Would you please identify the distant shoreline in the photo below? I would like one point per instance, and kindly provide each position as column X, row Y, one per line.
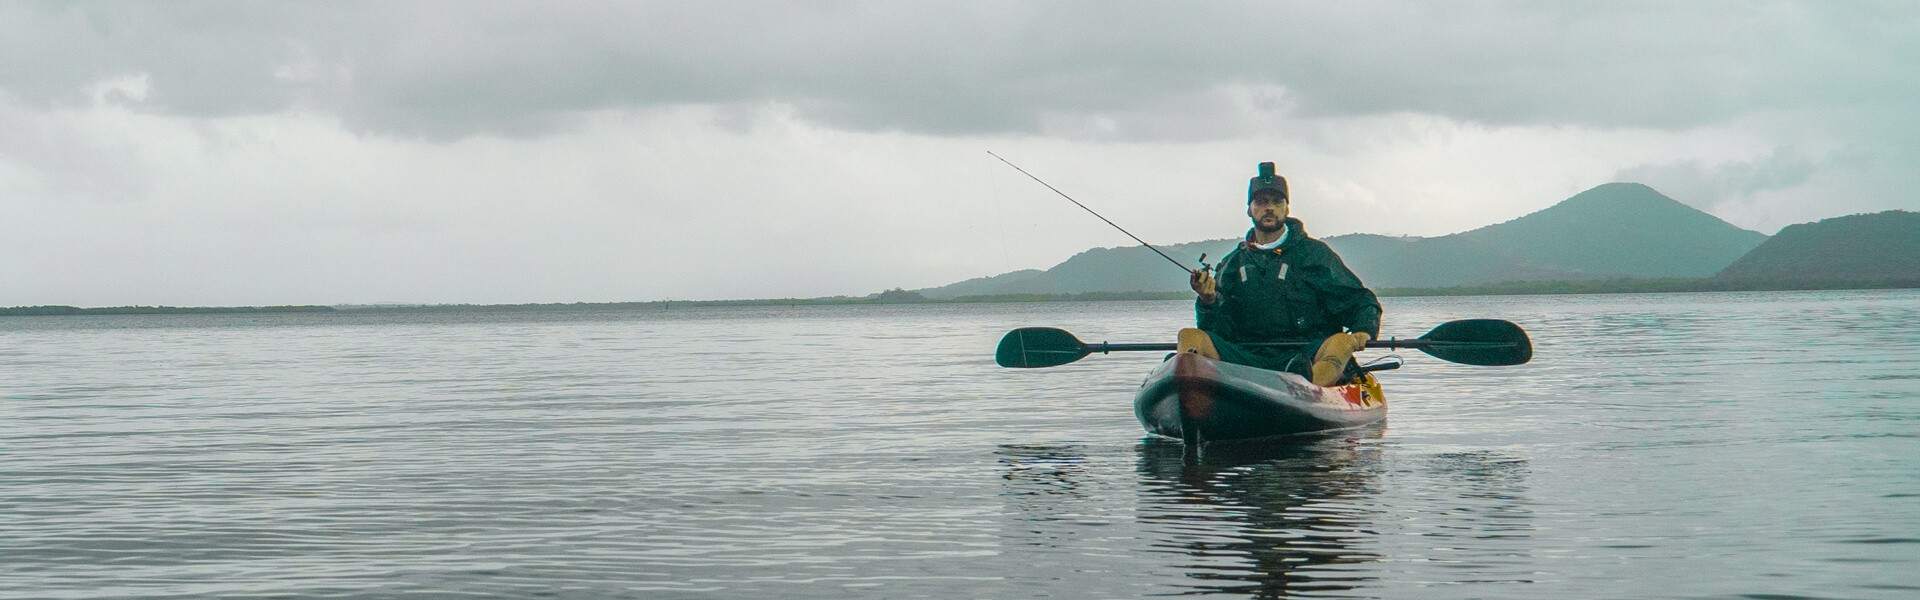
column 1647, row 286
column 1519, row 288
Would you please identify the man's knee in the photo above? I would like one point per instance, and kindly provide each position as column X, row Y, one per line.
column 1198, row 342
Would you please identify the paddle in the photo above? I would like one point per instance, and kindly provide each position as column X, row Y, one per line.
column 1483, row 342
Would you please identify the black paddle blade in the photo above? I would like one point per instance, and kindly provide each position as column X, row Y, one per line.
column 1035, row 347
column 1483, row 342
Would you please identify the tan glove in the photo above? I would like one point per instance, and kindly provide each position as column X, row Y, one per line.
column 1330, row 362
column 1204, row 285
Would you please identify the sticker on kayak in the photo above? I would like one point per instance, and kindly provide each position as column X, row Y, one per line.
column 1358, row 395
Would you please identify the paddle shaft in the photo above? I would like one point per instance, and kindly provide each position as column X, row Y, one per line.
column 1415, row 344
column 1482, row 342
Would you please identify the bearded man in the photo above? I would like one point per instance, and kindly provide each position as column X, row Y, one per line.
column 1280, row 285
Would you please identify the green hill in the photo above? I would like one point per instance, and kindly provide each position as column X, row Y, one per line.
column 1880, row 247
column 1122, row 269
column 981, row 286
column 1611, row 231
column 1617, row 230
column 1442, row 261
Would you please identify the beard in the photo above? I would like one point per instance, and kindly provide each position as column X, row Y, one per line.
column 1261, row 224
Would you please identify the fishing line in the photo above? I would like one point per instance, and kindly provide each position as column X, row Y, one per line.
column 1090, row 211
column 999, row 217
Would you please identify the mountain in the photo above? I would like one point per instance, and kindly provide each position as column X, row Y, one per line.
column 983, row 286
column 1877, row 247
column 1611, row 231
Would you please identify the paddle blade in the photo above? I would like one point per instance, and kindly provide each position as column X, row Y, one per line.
column 1484, row 342
column 1036, row 347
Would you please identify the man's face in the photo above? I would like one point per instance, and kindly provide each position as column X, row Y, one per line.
column 1268, row 211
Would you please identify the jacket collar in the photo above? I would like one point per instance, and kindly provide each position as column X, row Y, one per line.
column 1295, row 233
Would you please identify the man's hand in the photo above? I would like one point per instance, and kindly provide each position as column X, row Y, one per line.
column 1360, row 340
column 1204, row 285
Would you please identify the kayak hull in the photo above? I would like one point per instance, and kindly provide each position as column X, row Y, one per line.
column 1198, row 399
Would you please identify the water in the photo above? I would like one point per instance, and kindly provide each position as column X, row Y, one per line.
column 1758, row 445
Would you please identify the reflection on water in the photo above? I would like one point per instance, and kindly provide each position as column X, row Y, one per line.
column 1472, row 514
column 1488, row 490
column 1283, row 520
column 1267, row 521
column 1659, row 446
column 1041, row 472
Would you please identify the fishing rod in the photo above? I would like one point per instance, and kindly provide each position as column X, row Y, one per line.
column 1130, row 234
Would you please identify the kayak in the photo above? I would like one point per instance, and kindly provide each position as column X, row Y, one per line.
column 1198, row 399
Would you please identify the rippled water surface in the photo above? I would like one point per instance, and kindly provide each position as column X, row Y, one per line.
column 1761, row 445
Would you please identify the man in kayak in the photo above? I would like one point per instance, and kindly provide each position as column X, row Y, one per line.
column 1280, row 285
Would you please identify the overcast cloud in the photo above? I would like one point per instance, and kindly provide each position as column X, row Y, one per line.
column 259, row 153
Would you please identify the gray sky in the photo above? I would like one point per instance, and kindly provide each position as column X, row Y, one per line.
column 234, row 153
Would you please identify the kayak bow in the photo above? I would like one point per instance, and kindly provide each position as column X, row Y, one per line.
column 1197, row 399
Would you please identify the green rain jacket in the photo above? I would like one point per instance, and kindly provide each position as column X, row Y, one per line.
column 1300, row 291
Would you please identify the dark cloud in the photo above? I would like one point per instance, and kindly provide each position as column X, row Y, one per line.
column 67, row 166
column 202, row 60
column 457, row 68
